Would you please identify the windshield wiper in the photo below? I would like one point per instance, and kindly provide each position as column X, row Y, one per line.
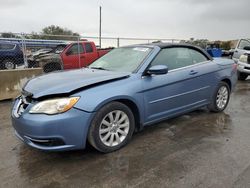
column 99, row 68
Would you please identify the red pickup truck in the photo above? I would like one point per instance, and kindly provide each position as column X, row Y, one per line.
column 77, row 55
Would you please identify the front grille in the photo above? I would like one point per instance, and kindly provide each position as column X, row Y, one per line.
column 248, row 59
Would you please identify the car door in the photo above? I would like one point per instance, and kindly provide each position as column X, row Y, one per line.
column 205, row 74
column 178, row 90
column 90, row 55
column 240, row 48
column 72, row 56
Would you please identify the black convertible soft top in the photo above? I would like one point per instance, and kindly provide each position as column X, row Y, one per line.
column 169, row 45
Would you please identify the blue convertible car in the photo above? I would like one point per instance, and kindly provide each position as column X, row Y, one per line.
column 120, row 93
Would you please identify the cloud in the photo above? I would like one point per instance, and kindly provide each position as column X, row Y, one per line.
column 11, row 4
column 183, row 19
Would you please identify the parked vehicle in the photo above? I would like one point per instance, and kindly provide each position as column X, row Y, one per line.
column 40, row 52
column 77, row 55
column 120, row 93
column 239, row 50
column 11, row 55
column 242, row 56
column 73, row 56
column 49, row 60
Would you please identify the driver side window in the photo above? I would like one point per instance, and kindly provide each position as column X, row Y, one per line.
column 173, row 58
column 75, row 49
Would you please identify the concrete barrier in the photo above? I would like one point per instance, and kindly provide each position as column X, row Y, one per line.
column 12, row 81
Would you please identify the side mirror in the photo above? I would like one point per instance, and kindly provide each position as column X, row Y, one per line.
column 157, row 70
column 246, row 48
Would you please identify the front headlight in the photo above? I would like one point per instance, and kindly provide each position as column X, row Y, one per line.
column 54, row 106
column 243, row 58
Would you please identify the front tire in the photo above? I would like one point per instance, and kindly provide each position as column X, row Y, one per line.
column 220, row 98
column 112, row 127
column 9, row 64
column 51, row 67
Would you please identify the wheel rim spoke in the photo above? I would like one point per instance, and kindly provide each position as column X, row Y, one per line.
column 122, row 132
column 124, row 125
column 123, row 117
column 106, row 136
column 102, row 131
column 117, row 138
column 117, row 115
column 111, row 140
column 104, row 122
column 111, row 117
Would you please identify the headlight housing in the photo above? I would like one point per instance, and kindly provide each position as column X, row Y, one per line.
column 243, row 58
column 54, row 106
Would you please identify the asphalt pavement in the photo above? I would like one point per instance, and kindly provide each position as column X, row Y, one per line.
column 199, row 149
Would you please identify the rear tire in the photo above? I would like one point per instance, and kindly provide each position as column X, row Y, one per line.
column 112, row 127
column 220, row 98
column 242, row 76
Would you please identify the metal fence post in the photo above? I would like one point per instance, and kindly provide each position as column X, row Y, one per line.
column 24, row 50
column 79, row 53
column 118, row 42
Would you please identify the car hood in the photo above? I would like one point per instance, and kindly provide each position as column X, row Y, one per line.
column 67, row 82
column 47, row 56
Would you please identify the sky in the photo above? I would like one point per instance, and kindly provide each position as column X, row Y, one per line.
column 178, row 19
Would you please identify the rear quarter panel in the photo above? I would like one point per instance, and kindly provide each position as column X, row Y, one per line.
column 227, row 70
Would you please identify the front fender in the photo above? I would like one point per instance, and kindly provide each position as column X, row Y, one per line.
column 116, row 98
column 94, row 98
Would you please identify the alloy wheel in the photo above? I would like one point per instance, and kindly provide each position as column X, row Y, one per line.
column 222, row 97
column 114, row 128
column 9, row 65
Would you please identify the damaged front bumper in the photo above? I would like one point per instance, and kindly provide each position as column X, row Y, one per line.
column 66, row 131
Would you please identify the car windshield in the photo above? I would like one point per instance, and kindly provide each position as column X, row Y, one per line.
column 126, row 59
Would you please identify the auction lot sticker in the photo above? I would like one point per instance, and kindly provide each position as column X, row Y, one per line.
column 141, row 49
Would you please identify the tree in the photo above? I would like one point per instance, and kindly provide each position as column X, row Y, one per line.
column 65, row 34
column 226, row 45
column 9, row 35
column 198, row 42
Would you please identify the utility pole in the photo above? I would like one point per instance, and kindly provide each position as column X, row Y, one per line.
column 100, row 28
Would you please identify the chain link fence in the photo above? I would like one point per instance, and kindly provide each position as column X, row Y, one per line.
column 58, row 52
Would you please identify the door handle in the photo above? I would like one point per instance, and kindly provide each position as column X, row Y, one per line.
column 236, row 51
column 193, row 72
column 82, row 57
